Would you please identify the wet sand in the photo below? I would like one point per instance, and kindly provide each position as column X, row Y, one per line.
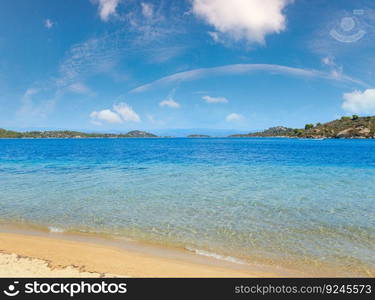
column 45, row 255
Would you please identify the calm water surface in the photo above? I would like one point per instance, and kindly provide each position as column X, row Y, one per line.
column 301, row 204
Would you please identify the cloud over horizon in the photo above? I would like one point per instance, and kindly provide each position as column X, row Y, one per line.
column 248, row 57
column 360, row 102
column 210, row 99
column 107, row 8
column 147, row 9
column 233, row 117
column 35, row 104
column 243, row 19
column 241, row 69
column 121, row 113
column 48, row 23
column 169, row 103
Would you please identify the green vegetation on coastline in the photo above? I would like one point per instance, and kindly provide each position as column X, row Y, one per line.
column 346, row 127
column 72, row 134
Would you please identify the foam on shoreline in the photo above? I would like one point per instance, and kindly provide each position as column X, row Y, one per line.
column 56, row 229
column 216, row 256
column 45, row 252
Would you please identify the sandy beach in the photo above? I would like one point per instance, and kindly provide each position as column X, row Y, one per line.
column 23, row 255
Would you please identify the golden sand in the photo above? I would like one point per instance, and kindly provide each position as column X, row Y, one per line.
column 24, row 255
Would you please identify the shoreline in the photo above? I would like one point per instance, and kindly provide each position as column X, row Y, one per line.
column 185, row 137
column 25, row 253
column 32, row 251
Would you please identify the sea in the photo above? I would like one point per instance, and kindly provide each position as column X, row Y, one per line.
column 299, row 204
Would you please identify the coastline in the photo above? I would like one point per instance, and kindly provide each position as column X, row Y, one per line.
column 38, row 254
column 319, row 138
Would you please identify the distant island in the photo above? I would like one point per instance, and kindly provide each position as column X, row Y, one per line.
column 346, row 127
column 72, row 134
column 198, row 136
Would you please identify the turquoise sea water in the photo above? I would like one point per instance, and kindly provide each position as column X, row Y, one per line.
column 303, row 204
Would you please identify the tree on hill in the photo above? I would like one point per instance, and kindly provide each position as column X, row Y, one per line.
column 346, row 127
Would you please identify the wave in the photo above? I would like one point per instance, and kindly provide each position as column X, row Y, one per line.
column 55, row 229
column 216, row 256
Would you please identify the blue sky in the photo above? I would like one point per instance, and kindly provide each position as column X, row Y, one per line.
column 102, row 65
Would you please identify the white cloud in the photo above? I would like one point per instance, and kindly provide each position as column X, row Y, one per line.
column 79, row 88
column 126, row 112
column 329, row 61
column 30, row 92
column 35, row 104
column 234, row 117
column 107, row 8
column 121, row 113
column 169, row 103
column 215, row 36
column 135, row 35
column 48, row 23
column 94, row 56
column 336, row 70
column 239, row 69
column 105, row 115
column 337, row 73
column 360, row 102
column 251, row 20
column 163, row 54
column 147, row 10
column 101, row 54
column 210, row 99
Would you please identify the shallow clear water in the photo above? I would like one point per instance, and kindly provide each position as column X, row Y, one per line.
column 303, row 204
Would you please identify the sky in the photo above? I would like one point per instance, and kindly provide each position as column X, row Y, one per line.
column 158, row 65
